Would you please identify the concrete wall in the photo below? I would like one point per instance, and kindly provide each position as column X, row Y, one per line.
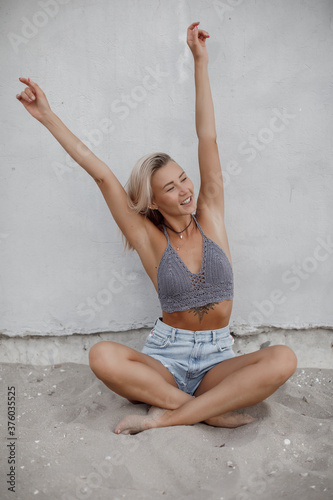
column 120, row 76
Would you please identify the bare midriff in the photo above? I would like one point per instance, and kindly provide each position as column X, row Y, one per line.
column 208, row 317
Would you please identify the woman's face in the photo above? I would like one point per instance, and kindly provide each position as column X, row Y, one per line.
column 173, row 191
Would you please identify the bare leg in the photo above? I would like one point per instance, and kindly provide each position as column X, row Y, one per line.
column 141, row 378
column 135, row 376
column 246, row 381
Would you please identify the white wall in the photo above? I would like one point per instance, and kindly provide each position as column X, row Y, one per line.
column 63, row 269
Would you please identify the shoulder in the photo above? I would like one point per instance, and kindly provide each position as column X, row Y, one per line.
column 213, row 226
column 151, row 243
column 211, row 221
column 150, row 237
column 150, row 249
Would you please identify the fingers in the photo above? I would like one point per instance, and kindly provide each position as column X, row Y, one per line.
column 29, row 82
column 28, row 93
column 191, row 27
column 201, row 33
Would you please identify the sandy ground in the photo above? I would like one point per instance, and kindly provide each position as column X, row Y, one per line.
column 66, row 448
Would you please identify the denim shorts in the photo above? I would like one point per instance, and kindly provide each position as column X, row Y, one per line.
column 186, row 354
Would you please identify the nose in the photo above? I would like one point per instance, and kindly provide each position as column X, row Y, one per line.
column 183, row 189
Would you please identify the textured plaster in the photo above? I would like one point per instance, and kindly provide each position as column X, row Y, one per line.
column 120, row 76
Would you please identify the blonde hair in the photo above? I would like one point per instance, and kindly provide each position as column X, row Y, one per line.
column 139, row 189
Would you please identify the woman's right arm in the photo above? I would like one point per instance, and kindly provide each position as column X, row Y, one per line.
column 131, row 224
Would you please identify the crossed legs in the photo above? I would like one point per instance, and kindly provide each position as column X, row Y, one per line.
column 233, row 384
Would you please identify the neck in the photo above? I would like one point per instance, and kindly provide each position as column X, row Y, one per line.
column 180, row 225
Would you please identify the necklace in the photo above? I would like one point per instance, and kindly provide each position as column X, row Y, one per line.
column 180, row 232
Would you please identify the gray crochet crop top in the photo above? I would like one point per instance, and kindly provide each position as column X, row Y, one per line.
column 179, row 289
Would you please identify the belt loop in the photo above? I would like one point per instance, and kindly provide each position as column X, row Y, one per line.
column 214, row 337
column 173, row 334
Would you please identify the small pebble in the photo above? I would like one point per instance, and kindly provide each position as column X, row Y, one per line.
column 287, row 441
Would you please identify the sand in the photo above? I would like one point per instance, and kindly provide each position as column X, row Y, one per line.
column 66, row 448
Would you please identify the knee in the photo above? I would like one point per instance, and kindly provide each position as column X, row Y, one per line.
column 285, row 362
column 99, row 355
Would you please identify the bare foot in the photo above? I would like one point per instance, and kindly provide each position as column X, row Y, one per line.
column 230, row 420
column 132, row 424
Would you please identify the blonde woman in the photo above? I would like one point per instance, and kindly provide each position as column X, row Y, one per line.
column 187, row 371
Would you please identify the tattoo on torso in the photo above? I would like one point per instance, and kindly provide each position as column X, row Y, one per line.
column 200, row 311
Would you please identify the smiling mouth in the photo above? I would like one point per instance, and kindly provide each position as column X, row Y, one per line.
column 187, row 201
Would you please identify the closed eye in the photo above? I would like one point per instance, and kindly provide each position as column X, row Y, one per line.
column 181, row 180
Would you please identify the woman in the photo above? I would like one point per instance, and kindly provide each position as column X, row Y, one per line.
column 187, row 371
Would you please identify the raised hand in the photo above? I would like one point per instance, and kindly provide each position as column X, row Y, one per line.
column 34, row 100
column 196, row 40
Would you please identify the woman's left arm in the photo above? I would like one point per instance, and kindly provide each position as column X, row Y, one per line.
column 211, row 194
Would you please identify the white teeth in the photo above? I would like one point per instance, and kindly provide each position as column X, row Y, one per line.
column 186, row 201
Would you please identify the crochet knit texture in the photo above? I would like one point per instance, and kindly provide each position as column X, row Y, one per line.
column 179, row 289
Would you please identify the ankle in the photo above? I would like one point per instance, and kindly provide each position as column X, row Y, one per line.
column 162, row 420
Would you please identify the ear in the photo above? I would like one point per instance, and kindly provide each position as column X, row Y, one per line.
column 153, row 206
